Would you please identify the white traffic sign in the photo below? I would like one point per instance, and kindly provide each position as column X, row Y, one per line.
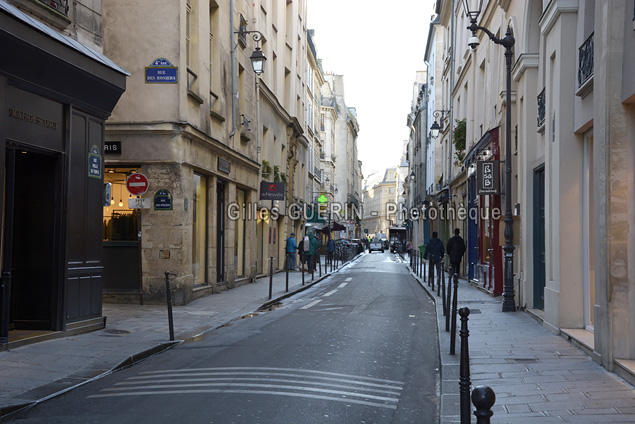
column 139, row 203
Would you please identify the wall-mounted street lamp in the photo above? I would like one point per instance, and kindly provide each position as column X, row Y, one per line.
column 435, row 128
column 473, row 10
column 257, row 58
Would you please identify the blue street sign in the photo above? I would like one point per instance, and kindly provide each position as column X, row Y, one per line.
column 162, row 72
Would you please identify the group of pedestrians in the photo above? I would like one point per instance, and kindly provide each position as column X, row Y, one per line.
column 455, row 250
column 307, row 249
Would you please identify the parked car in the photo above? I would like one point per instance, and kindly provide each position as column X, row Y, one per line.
column 358, row 245
column 376, row 245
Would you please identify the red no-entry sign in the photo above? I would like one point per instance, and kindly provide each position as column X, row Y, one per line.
column 137, row 184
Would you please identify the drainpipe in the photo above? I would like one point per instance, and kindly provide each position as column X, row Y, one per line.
column 233, row 59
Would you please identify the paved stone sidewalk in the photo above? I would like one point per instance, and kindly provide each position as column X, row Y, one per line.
column 538, row 377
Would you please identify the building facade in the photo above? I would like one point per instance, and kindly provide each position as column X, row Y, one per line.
column 205, row 130
column 52, row 141
column 571, row 144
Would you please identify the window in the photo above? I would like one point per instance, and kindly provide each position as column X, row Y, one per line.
column 199, row 229
column 119, row 221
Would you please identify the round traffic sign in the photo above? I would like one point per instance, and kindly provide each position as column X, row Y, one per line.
column 137, row 184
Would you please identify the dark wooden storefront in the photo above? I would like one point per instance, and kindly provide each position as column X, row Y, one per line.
column 54, row 101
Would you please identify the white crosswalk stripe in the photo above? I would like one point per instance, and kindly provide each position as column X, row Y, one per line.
column 288, row 382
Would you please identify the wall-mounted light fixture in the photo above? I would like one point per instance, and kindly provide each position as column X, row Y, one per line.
column 435, row 128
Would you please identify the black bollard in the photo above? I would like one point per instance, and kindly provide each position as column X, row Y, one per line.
column 169, row 300
column 454, row 306
column 448, row 301
column 433, row 265
column 320, row 264
column 464, row 379
column 424, row 272
column 483, row 398
column 270, row 277
column 312, row 265
column 302, row 266
column 441, row 279
column 445, row 305
column 287, row 284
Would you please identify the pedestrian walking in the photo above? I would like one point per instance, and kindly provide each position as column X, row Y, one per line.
column 304, row 250
column 456, row 250
column 291, row 249
column 435, row 250
column 330, row 249
column 313, row 250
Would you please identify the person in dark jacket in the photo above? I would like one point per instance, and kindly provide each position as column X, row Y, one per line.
column 435, row 250
column 456, row 250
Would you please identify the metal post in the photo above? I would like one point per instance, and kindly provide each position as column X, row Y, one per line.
column 312, row 265
column 509, row 304
column 445, row 305
column 483, row 398
column 440, row 279
column 287, row 282
column 270, row 277
column 302, row 267
column 449, row 300
column 433, row 265
column 169, row 300
column 464, row 379
column 320, row 263
column 454, row 306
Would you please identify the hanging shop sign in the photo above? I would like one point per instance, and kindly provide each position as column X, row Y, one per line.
column 271, row 191
column 94, row 163
column 163, row 200
column 487, row 177
column 162, row 72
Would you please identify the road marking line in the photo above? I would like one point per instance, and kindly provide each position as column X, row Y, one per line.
column 315, row 302
column 329, row 293
column 342, row 285
column 349, row 279
column 252, row 392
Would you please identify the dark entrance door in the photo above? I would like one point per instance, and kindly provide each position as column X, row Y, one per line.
column 539, row 239
column 33, row 216
column 220, row 237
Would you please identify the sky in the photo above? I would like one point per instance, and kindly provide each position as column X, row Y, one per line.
column 378, row 47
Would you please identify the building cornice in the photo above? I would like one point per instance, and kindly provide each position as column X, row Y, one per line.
column 524, row 62
column 553, row 12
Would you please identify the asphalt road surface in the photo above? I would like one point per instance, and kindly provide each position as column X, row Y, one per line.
column 359, row 347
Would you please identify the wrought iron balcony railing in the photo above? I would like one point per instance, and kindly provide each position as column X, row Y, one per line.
column 59, row 5
column 585, row 61
column 541, row 108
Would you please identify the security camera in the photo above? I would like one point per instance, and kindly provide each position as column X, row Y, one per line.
column 473, row 42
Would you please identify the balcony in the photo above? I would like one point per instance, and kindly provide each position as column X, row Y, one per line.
column 585, row 67
column 541, row 110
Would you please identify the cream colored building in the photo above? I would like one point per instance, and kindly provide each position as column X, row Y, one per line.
column 572, row 159
column 381, row 202
column 205, row 130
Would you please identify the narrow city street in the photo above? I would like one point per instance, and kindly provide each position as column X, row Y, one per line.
column 360, row 347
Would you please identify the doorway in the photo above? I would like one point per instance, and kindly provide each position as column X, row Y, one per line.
column 220, row 236
column 34, row 257
column 539, row 239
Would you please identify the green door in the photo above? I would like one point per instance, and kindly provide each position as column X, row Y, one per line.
column 539, row 239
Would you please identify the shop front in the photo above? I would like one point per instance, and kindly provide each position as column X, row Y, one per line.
column 56, row 99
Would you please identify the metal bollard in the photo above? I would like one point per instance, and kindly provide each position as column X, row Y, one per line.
column 445, row 305
column 432, row 272
column 270, row 277
column 312, row 265
column 441, row 279
column 483, row 398
column 169, row 300
column 454, row 306
column 287, row 283
column 448, row 301
column 320, row 264
column 464, row 379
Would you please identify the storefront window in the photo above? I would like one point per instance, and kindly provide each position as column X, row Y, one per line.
column 239, row 240
column 199, row 230
column 119, row 221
